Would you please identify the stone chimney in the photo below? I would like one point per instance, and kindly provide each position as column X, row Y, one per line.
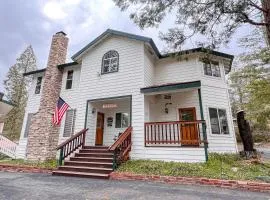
column 43, row 135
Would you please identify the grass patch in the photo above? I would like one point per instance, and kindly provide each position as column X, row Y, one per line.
column 49, row 164
column 224, row 166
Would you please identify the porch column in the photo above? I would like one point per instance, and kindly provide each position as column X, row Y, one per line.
column 203, row 125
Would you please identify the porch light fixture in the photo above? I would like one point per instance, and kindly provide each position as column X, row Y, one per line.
column 93, row 111
column 167, row 109
column 109, row 105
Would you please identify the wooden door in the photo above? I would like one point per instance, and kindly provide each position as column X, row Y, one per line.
column 99, row 128
column 189, row 132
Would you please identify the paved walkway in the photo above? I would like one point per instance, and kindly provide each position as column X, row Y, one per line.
column 43, row 186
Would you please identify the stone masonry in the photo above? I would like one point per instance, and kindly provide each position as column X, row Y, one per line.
column 43, row 135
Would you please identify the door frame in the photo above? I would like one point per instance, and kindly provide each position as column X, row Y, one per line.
column 187, row 108
column 103, row 115
column 195, row 127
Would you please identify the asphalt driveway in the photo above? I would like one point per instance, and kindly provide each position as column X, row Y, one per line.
column 20, row 186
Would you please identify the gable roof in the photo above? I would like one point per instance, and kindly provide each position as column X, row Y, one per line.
column 117, row 33
column 151, row 43
column 139, row 38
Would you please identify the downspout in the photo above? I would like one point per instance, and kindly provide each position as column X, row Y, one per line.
column 203, row 126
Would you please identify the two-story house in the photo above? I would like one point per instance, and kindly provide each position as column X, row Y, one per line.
column 177, row 104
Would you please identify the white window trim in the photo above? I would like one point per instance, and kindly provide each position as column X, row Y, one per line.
column 72, row 125
column 229, row 135
column 72, row 86
column 213, row 77
column 40, row 85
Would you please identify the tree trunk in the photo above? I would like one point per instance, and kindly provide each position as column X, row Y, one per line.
column 245, row 132
column 266, row 7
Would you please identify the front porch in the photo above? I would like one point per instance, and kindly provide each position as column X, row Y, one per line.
column 174, row 116
column 106, row 119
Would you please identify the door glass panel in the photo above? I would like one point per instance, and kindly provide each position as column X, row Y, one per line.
column 187, row 115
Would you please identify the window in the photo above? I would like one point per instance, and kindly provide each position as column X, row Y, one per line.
column 38, row 85
column 69, row 79
column 218, row 120
column 69, row 123
column 28, row 123
column 110, row 62
column 121, row 120
column 212, row 69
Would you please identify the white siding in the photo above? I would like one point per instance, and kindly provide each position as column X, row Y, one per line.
column 123, row 106
column 70, row 96
column 170, row 70
column 31, row 107
column 155, row 106
column 218, row 97
column 127, row 81
column 149, row 69
column 138, row 69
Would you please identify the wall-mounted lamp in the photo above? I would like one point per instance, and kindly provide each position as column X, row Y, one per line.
column 93, row 111
column 167, row 109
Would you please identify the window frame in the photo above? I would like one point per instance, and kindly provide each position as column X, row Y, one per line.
column 69, row 79
column 219, row 124
column 102, row 62
column 122, row 114
column 213, row 65
column 72, row 125
column 38, row 84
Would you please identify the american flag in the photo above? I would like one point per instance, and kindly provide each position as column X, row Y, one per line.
column 60, row 110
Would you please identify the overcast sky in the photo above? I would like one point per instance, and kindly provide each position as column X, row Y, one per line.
column 34, row 22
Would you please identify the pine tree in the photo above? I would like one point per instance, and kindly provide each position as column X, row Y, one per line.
column 217, row 20
column 16, row 86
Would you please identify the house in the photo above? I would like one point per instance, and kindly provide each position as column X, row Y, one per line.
column 172, row 108
column 5, row 108
column 7, row 147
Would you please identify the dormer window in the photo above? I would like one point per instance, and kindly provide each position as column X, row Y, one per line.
column 38, row 85
column 110, row 62
column 212, row 69
column 69, row 79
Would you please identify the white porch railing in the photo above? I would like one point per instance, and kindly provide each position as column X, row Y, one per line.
column 7, row 147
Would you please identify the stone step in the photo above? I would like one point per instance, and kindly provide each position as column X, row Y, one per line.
column 99, row 155
column 99, row 170
column 80, row 174
column 92, row 159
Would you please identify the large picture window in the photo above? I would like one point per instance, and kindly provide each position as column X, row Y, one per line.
column 121, row 120
column 211, row 69
column 110, row 62
column 218, row 120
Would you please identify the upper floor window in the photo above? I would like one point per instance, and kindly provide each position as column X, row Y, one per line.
column 69, row 79
column 212, row 69
column 110, row 62
column 38, row 85
column 218, row 120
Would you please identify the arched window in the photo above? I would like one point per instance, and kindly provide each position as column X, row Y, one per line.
column 110, row 62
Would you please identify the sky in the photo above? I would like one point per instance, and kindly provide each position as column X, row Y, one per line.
column 33, row 23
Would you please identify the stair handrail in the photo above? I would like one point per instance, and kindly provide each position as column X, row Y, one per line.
column 8, row 147
column 71, row 144
column 121, row 147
